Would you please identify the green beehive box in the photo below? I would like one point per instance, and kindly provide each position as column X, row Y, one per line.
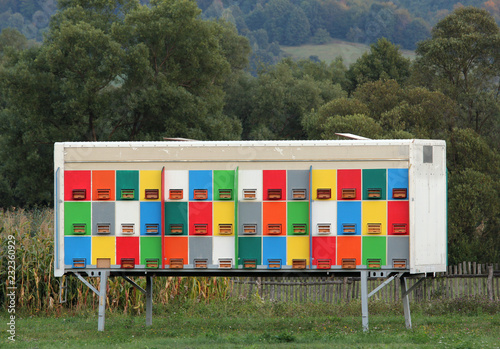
column 374, row 247
column 127, row 185
column 374, row 180
column 223, row 185
column 150, row 247
column 298, row 218
column 76, row 215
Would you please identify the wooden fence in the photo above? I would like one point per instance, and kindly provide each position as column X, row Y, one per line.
column 465, row 279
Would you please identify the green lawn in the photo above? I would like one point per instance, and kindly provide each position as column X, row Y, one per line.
column 349, row 51
column 238, row 324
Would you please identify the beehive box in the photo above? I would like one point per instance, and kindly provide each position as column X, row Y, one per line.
column 325, row 201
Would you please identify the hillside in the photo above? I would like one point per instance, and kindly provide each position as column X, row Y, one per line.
column 349, row 51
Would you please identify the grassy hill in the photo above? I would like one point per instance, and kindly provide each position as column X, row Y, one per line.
column 350, row 51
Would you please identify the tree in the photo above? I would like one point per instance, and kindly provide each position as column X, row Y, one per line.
column 473, row 197
column 417, row 30
column 12, row 38
column 256, row 19
column 272, row 105
column 359, row 124
column 380, row 22
column 321, row 37
column 114, row 70
column 384, row 61
column 313, row 9
column 189, row 60
column 462, row 59
column 298, row 29
column 380, row 96
column 286, row 23
column 314, row 123
column 474, row 216
column 337, row 17
column 26, row 130
column 423, row 113
column 84, row 62
column 402, row 112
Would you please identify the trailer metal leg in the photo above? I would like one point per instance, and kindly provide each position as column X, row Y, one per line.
column 149, row 300
column 102, row 300
column 406, row 302
column 364, row 299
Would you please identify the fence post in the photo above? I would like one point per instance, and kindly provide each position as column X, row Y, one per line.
column 259, row 287
column 490, row 282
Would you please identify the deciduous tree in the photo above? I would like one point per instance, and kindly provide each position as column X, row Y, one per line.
column 384, row 61
column 114, row 70
column 462, row 59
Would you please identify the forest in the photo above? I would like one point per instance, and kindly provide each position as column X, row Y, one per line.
column 267, row 24
column 117, row 70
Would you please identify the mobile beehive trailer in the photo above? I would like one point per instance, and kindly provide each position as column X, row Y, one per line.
column 368, row 208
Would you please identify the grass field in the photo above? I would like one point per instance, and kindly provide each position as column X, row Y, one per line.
column 349, row 51
column 257, row 324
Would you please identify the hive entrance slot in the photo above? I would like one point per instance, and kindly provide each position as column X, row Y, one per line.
column 225, row 194
column 79, row 194
column 399, row 193
column 103, row 194
column 152, row 263
column 299, row 264
column 225, row 229
column 274, row 263
column 249, row 264
column 249, row 229
column 374, row 228
column 324, row 193
column 249, row 194
column 175, row 194
column 152, row 194
column 176, row 263
column 79, row 262
column 399, row 263
column 127, row 228
column 127, row 263
column 103, row 263
column 200, row 263
column 200, row 229
column 200, row 194
column 324, row 264
column 225, row 263
column 349, row 228
column 299, row 229
column 127, row 194
column 324, row 228
column 373, row 263
column 103, row 228
column 299, row 194
column 348, row 263
column 399, row 228
column 349, row 193
column 374, row 193
column 152, row 228
column 273, row 194
column 176, row 229
column 274, row 229
column 79, row 228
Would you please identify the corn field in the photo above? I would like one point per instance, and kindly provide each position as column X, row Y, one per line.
column 38, row 290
